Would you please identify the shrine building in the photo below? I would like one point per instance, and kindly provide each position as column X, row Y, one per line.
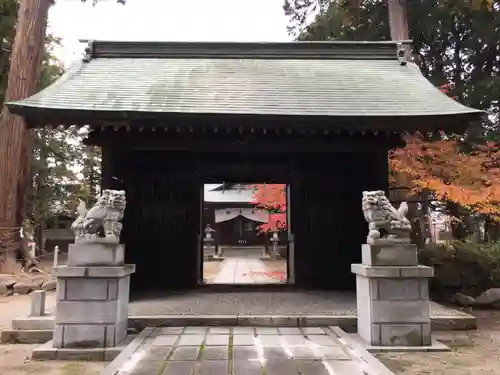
column 229, row 210
column 319, row 117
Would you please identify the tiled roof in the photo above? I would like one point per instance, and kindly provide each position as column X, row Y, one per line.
column 301, row 78
column 226, row 196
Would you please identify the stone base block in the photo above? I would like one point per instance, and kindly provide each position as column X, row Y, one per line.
column 355, row 340
column 97, row 272
column 47, row 352
column 208, row 252
column 393, row 305
column 96, row 254
column 33, row 336
column 395, row 272
column 89, row 335
column 395, row 334
column 389, row 255
column 92, row 309
column 34, row 323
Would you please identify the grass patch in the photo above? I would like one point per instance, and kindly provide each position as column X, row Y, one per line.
column 73, row 369
column 230, row 355
column 164, row 365
column 200, row 352
column 397, row 365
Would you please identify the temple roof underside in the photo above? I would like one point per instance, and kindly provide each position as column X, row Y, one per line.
column 127, row 80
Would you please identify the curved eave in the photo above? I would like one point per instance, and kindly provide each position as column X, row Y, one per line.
column 333, row 93
column 39, row 117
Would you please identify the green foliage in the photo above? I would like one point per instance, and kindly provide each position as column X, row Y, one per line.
column 338, row 20
column 8, row 14
column 463, row 267
column 63, row 169
column 454, row 41
column 52, row 68
column 94, row 2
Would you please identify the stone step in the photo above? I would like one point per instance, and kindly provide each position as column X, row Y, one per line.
column 32, row 336
column 33, row 323
column 346, row 322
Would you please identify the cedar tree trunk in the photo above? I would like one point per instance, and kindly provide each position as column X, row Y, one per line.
column 15, row 139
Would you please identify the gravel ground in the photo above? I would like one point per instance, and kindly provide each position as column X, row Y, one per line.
column 264, row 303
column 19, row 307
column 15, row 359
column 472, row 352
column 211, row 270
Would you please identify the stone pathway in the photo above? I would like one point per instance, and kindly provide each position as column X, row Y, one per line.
column 243, row 271
column 247, row 351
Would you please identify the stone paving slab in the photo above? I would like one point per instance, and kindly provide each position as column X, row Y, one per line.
column 246, row 351
column 24, row 335
column 243, row 271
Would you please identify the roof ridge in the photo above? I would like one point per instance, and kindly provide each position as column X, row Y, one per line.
column 343, row 50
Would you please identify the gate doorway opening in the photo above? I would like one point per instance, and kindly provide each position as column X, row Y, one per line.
column 244, row 236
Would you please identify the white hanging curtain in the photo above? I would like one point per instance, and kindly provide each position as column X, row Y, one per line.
column 253, row 214
column 226, row 214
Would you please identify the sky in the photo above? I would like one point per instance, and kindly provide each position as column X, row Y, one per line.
column 166, row 20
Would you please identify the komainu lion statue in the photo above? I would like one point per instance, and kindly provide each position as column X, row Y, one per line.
column 103, row 218
column 385, row 223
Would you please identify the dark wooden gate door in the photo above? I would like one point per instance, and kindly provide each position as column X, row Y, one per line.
column 325, row 221
column 162, row 225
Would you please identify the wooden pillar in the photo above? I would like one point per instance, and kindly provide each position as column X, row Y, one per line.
column 290, row 257
column 106, row 167
column 380, row 170
column 111, row 165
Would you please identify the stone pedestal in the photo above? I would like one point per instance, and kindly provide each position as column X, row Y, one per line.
column 99, row 253
column 208, row 252
column 209, row 248
column 392, row 294
column 92, row 297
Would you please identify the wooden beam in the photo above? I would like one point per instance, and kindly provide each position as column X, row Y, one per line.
column 248, row 143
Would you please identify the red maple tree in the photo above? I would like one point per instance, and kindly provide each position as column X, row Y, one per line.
column 470, row 179
column 272, row 198
column 468, row 176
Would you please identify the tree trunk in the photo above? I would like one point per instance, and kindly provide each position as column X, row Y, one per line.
column 398, row 22
column 15, row 139
column 398, row 19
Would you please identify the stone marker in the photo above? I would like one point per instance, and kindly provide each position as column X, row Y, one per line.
column 392, row 294
column 49, row 285
column 209, row 246
column 38, row 303
column 56, row 257
column 93, row 288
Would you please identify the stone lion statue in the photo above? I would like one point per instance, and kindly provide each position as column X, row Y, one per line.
column 385, row 223
column 103, row 219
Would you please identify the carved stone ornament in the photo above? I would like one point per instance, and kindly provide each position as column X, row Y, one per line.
column 102, row 221
column 385, row 223
column 208, row 233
